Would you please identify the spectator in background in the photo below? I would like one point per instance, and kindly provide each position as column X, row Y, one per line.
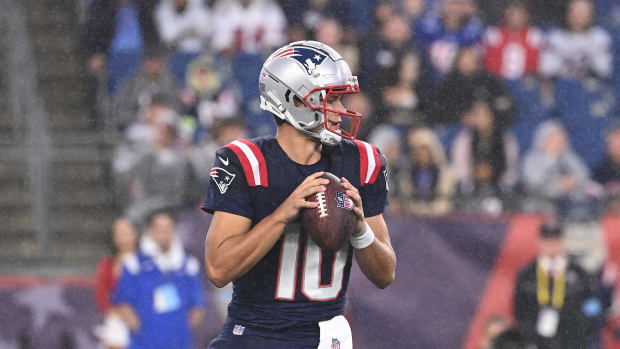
column 305, row 17
column 579, row 50
column 424, row 184
column 124, row 240
column 551, row 293
column 141, row 134
column 117, row 32
column 512, row 49
column 443, row 34
column 247, row 26
column 552, row 172
column 413, row 9
column 159, row 174
column 383, row 11
column 405, row 96
column 607, row 172
column 113, row 333
column 361, row 103
column 223, row 131
column 388, row 139
column 160, row 294
column 138, row 92
column 484, row 155
column 469, row 83
column 210, row 93
column 330, row 32
column 382, row 54
column 245, row 32
column 184, row 27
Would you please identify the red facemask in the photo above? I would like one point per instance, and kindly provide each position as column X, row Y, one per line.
column 353, row 119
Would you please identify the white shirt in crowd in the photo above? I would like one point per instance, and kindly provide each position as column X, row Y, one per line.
column 259, row 26
column 187, row 31
column 574, row 55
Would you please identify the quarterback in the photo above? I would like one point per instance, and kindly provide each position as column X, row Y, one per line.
column 289, row 293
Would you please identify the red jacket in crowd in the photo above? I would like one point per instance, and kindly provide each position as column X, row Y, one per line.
column 511, row 55
column 105, row 283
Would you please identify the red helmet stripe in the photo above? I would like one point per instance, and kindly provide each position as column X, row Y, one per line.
column 284, row 53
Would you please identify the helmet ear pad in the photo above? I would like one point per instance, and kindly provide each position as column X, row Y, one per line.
column 304, row 113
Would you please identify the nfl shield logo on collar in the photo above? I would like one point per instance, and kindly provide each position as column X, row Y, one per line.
column 335, row 343
column 238, row 330
column 222, row 178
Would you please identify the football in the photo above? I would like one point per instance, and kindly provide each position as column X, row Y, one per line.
column 330, row 224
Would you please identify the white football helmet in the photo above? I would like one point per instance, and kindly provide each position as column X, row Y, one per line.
column 310, row 71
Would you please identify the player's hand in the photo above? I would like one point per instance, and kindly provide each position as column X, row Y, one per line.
column 195, row 317
column 289, row 209
column 129, row 316
column 354, row 194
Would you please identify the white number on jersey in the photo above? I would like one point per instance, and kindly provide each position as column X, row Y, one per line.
column 311, row 285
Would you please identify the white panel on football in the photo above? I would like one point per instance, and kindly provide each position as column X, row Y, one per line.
column 312, row 273
column 285, row 287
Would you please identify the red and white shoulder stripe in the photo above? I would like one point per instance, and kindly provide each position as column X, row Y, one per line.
column 370, row 162
column 252, row 161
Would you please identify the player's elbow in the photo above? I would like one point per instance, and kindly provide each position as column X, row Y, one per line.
column 217, row 275
column 385, row 281
column 387, row 275
column 218, row 280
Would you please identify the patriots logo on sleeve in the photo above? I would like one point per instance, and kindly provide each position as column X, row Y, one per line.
column 222, row 178
column 309, row 58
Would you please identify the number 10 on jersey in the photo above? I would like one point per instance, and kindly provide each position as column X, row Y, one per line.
column 312, row 260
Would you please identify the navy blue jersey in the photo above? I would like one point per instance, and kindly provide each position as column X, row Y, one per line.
column 296, row 283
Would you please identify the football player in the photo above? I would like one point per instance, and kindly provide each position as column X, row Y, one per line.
column 288, row 293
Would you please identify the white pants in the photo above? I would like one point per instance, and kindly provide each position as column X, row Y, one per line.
column 335, row 333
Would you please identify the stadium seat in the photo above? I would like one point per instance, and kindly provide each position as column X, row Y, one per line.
column 246, row 68
column 447, row 135
column 530, row 111
column 585, row 108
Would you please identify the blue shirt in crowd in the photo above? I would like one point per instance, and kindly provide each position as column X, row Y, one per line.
column 127, row 34
column 162, row 301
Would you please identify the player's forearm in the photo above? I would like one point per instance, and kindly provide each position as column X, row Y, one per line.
column 378, row 263
column 237, row 254
column 378, row 260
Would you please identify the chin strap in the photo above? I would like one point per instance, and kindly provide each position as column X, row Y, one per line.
column 329, row 138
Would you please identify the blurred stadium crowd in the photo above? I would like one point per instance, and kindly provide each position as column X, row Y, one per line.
column 479, row 106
